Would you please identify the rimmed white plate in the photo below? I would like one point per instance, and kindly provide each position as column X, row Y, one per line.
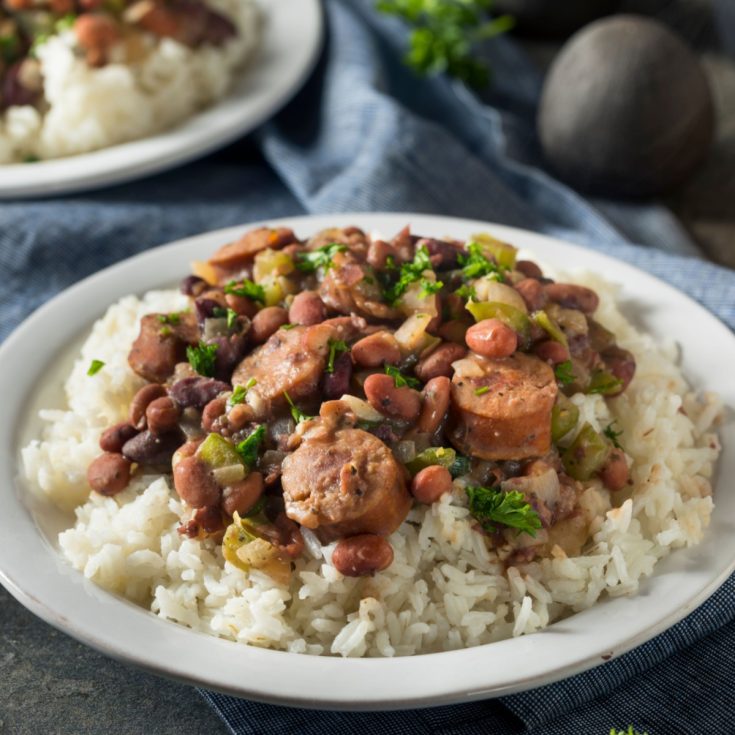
column 292, row 37
column 32, row 568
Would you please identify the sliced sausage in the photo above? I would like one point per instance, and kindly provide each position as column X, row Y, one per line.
column 238, row 253
column 501, row 408
column 345, row 483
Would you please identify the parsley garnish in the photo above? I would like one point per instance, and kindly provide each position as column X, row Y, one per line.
column 248, row 447
column 239, row 392
column 476, row 264
column 172, row 319
column 94, row 367
column 246, row 288
column 482, row 391
column 401, row 380
column 466, row 292
column 319, row 258
column 613, row 435
column 429, row 287
column 410, row 273
column 231, row 318
column 297, row 414
column 202, row 358
column 492, row 507
column 336, row 347
column 287, row 327
column 564, row 372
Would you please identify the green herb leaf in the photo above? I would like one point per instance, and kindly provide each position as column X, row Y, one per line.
column 429, row 287
column 288, row 327
column 172, row 319
column 564, row 372
column 202, row 358
column 247, row 289
column 239, row 392
column 482, row 391
column 94, row 367
column 319, row 258
column 231, row 318
column 401, row 380
column 410, row 273
column 336, row 348
column 297, row 414
column 476, row 264
column 613, row 435
column 493, row 507
column 248, row 447
column 466, row 292
column 604, row 383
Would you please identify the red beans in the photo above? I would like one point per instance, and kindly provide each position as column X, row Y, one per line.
column 431, row 483
column 242, row 305
column 492, row 338
column 436, row 395
column 307, row 308
column 358, row 556
column 552, row 352
column 242, row 496
column 439, row 362
column 113, row 439
column 529, row 269
column 195, row 484
column 621, row 364
column 615, row 473
column 162, row 415
column 96, row 34
column 532, row 292
column 378, row 252
column 109, row 474
column 212, row 411
column 573, row 297
column 146, row 395
column 376, row 350
column 382, row 394
column 267, row 322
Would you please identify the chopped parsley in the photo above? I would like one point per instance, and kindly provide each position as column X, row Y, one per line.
column 401, row 380
column 492, row 508
column 94, row 367
column 231, row 318
column 202, row 358
column 476, row 264
column 564, row 372
column 248, row 447
column 410, row 273
column 239, row 392
column 336, row 348
column 428, row 288
column 482, row 391
column 297, row 414
column 613, row 435
column 288, row 326
column 321, row 257
column 247, row 289
column 173, row 319
column 466, row 291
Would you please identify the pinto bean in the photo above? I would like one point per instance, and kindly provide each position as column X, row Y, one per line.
column 439, row 362
column 615, row 473
column 621, row 364
column 212, row 411
column 162, row 415
column 96, row 34
column 552, row 352
column 206, row 307
column 431, row 483
column 241, row 305
column 529, row 269
column 382, row 394
column 267, row 322
column 436, row 395
column 195, row 483
column 453, row 331
column 242, row 496
column 376, row 350
column 307, row 308
column 573, row 297
column 196, row 392
column 151, row 449
column 109, row 474
column 532, row 292
column 337, row 383
column 141, row 400
column 112, row 439
column 377, row 254
column 443, row 254
column 359, row 556
column 240, row 416
column 492, row 338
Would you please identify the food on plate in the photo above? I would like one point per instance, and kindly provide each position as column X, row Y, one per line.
column 79, row 75
column 353, row 445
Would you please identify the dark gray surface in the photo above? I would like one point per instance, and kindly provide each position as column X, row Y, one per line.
column 50, row 683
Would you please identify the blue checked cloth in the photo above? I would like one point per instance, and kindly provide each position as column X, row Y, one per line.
column 366, row 135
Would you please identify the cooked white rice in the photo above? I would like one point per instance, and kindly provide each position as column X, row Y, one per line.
column 92, row 108
column 444, row 590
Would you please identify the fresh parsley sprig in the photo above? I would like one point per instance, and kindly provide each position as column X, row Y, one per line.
column 297, row 414
column 336, row 348
column 239, row 392
column 612, row 435
column 400, row 380
column 564, row 372
column 94, row 367
column 492, row 508
column 248, row 448
column 411, row 273
column 202, row 358
column 476, row 264
column 321, row 257
column 247, row 289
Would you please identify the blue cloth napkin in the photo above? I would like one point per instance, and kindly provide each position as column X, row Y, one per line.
column 366, row 135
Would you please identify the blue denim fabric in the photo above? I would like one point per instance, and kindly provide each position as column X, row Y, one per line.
column 366, row 135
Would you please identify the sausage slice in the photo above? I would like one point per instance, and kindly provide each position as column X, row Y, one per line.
column 343, row 484
column 236, row 254
column 501, row 408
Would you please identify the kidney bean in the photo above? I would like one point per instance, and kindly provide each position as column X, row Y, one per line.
column 196, row 392
column 359, row 556
column 376, row 350
column 443, row 254
column 109, row 474
column 208, row 519
column 212, row 411
column 529, row 269
column 382, row 394
column 242, row 305
column 195, row 483
column 532, row 292
column 307, row 308
column 239, row 417
column 192, row 286
column 377, row 254
column 552, row 352
column 162, row 415
column 112, row 439
column 151, row 449
column 453, row 330
column 439, row 362
column 621, row 364
column 96, row 33
column 436, row 395
column 267, row 322
column 431, row 483
column 242, row 496
column 146, row 395
column 230, row 350
column 205, row 308
column 615, row 472
column 337, row 383
column 572, row 296
column 492, row 338
column 15, row 90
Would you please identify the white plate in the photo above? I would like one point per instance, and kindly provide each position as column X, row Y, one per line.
column 292, row 37
column 34, row 572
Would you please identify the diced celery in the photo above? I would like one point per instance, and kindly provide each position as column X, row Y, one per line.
column 272, row 263
column 216, row 451
column 543, row 320
column 444, row 456
column 503, row 253
column 604, row 383
column 564, row 417
column 586, row 455
column 511, row 316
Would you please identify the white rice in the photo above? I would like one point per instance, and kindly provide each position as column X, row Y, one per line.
column 92, row 108
column 444, row 590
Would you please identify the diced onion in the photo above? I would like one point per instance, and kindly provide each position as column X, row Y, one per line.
column 228, row 475
column 412, row 335
column 362, row 409
column 489, row 290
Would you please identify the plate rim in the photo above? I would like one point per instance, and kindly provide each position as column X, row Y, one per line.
column 116, row 649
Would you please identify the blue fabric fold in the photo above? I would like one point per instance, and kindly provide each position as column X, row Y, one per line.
column 366, row 135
